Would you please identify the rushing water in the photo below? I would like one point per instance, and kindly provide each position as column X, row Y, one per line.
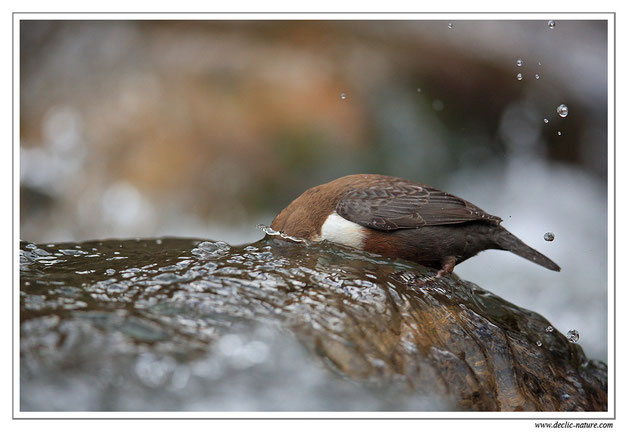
column 183, row 324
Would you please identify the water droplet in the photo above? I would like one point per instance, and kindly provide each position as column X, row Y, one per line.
column 539, row 63
column 418, row 90
column 562, row 110
column 450, row 25
column 519, row 62
column 573, row 336
column 549, row 236
column 537, row 76
column 343, row 96
column 158, row 241
column 560, row 133
column 539, row 343
column 545, row 121
column 551, row 24
column 519, row 76
column 549, row 329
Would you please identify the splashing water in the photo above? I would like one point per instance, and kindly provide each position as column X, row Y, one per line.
column 271, row 232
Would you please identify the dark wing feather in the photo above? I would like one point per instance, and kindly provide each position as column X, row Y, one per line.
column 396, row 205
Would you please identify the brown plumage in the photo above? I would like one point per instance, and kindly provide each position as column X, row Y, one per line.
column 401, row 219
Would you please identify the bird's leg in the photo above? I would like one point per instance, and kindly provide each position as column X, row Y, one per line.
column 448, row 264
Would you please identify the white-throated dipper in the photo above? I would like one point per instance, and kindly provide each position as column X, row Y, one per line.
column 400, row 219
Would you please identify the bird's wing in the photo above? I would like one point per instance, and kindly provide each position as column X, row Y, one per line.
column 401, row 204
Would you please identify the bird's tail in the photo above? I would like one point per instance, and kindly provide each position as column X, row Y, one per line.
column 507, row 241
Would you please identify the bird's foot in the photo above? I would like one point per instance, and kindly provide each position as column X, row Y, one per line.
column 448, row 266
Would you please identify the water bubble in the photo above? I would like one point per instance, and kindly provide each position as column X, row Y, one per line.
column 551, row 24
column 549, row 329
column 549, row 236
column 573, row 336
column 545, row 121
column 209, row 250
column 343, row 96
column 450, row 25
column 539, row 343
column 519, row 76
column 519, row 62
column 562, row 110
column 537, row 76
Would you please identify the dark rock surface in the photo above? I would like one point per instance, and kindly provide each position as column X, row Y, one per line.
column 182, row 324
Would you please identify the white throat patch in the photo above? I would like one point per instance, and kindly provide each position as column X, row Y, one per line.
column 340, row 230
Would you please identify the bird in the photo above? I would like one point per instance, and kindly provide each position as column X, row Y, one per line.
column 399, row 219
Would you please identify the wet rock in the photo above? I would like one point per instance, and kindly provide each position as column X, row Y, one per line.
column 180, row 324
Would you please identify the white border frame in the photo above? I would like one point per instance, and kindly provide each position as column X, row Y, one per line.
column 576, row 416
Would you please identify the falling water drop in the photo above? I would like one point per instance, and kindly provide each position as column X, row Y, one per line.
column 343, row 96
column 545, row 120
column 519, row 62
column 573, row 336
column 551, row 24
column 549, row 236
column 539, row 343
column 519, row 76
column 450, row 25
column 559, row 133
column 549, row 329
column 537, row 76
column 418, row 90
column 562, row 110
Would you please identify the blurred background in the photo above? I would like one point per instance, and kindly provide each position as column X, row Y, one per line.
column 206, row 128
